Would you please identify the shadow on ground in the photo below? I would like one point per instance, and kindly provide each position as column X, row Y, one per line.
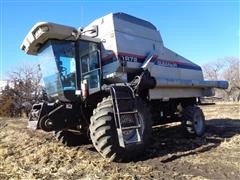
column 169, row 140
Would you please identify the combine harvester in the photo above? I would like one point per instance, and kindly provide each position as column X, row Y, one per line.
column 113, row 80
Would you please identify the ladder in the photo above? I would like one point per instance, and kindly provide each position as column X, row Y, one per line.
column 126, row 115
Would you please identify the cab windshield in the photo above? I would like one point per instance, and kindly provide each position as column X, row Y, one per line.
column 57, row 60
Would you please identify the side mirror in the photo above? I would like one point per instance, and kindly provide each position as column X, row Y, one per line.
column 93, row 32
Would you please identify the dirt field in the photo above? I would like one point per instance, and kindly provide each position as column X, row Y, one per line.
column 26, row 154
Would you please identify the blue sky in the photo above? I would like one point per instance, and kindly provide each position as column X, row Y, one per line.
column 201, row 31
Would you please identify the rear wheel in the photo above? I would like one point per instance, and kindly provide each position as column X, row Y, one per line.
column 193, row 121
column 104, row 136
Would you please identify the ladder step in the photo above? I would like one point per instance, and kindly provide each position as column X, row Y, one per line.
column 128, row 112
column 131, row 127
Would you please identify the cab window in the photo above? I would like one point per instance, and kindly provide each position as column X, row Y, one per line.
column 90, row 67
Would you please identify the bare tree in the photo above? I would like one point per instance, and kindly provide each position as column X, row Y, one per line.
column 26, row 82
column 225, row 69
column 213, row 70
column 232, row 75
column 23, row 90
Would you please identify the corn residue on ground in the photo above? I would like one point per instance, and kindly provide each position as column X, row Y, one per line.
column 26, row 154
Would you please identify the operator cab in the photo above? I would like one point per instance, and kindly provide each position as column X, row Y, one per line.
column 66, row 65
column 67, row 62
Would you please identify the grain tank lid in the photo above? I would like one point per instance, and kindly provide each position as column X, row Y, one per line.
column 134, row 20
column 42, row 32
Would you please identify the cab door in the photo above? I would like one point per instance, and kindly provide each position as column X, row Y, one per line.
column 90, row 65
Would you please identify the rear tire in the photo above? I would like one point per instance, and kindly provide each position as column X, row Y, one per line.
column 193, row 121
column 104, row 134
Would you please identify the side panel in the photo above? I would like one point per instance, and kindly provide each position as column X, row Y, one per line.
column 161, row 93
column 181, row 68
column 136, row 39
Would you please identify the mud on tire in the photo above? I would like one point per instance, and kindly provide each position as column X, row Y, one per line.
column 104, row 134
column 193, row 121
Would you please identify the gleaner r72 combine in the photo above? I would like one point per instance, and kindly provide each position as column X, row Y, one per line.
column 113, row 80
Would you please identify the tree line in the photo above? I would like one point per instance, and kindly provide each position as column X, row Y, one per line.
column 22, row 90
column 227, row 69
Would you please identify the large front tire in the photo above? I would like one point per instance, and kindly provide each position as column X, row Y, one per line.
column 104, row 136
